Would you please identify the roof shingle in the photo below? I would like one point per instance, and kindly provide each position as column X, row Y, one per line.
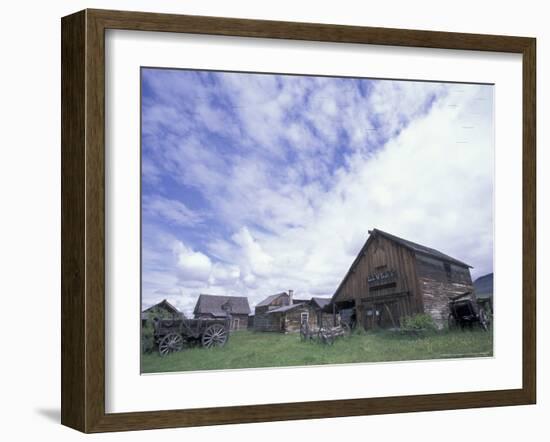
column 221, row 305
column 270, row 299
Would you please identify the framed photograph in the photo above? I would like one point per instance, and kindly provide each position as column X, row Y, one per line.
column 269, row 220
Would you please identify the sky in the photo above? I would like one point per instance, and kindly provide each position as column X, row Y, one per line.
column 253, row 184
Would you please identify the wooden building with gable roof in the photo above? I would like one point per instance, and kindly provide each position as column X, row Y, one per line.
column 282, row 313
column 234, row 308
column 392, row 278
column 161, row 310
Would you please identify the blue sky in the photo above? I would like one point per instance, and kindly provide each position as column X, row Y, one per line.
column 258, row 183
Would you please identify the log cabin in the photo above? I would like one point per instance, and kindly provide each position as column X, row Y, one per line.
column 234, row 308
column 392, row 278
column 282, row 313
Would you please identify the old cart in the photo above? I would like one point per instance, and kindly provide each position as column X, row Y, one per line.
column 324, row 335
column 175, row 335
column 465, row 312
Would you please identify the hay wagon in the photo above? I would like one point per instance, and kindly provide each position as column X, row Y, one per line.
column 177, row 334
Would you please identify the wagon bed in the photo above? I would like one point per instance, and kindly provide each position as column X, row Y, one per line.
column 172, row 335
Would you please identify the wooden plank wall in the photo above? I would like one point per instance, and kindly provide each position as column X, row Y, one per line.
column 267, row 323
column 293, row 318
column 243, row 321
column 383, row 252
column 437, row 286
column 400, row 305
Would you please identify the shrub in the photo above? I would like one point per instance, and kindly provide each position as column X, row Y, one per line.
column 148, row 330
column 147, row 337
column 419, row 322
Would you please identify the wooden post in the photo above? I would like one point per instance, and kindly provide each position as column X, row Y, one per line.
column 334, row 314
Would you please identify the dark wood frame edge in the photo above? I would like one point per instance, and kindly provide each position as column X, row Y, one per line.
column 83, row 215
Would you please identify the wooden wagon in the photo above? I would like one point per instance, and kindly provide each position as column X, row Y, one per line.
column 177, row 334
column 324, row 335
column 464, row 312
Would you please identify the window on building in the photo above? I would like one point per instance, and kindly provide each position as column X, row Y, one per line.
column 304, row 317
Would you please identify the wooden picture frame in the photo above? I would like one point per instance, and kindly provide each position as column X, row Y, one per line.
column 83, row 220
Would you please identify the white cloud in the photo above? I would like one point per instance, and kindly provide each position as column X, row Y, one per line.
column 192, row 266
column 253, row 256
column 224, row 274
column 170, row 210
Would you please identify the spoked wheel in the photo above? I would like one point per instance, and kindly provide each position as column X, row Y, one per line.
column 326, row 337
column 346, row 328
column 214, row 336
column 170, row 344
column 483, row 320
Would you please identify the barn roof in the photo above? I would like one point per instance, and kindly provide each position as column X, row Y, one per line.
column 285, row 308
column 270, row 299
column 419, row 248
column 221, row 305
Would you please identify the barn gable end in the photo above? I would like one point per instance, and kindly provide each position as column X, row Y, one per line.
column 392, row 278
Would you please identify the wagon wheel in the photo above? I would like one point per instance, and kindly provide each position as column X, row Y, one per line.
column 346, row 329
column 170, row 343
column 326, row 337
column 214, row 336
column 453, row 324
column 483, row 320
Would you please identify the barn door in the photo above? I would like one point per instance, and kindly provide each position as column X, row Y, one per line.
column 389, row 315
column 370, row 318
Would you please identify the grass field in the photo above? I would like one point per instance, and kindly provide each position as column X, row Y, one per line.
column 246, row 349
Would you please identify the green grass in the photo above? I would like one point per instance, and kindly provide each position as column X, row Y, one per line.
column 247, row 349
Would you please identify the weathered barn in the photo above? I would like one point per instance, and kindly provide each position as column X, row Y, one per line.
column 392, row 278
column 282, row 313
column 162, row 310
column 233, row 308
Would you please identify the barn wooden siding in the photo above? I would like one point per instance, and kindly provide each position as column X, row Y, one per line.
column 438, row 281
column 403, row 298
